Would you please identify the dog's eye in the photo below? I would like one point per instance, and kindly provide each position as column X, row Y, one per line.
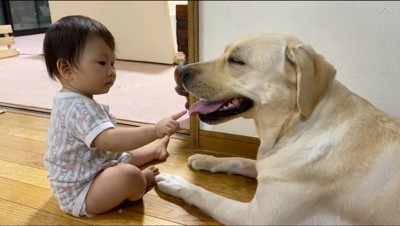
column 234, row 60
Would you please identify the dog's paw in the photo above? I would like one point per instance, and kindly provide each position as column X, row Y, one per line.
column 203, row 162
column 172, row 184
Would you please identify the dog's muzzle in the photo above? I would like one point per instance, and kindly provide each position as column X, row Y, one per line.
column 211, row 112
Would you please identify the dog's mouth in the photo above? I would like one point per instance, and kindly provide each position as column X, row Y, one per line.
column 213, row 112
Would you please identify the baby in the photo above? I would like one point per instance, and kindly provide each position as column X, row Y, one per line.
column 93, row 165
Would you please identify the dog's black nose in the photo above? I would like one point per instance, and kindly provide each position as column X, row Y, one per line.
column 185, row 72
column 179, row 85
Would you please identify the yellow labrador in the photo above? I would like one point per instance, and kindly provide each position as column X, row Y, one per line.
column 327, row 156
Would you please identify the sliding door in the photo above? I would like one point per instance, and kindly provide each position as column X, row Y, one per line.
column 25, row 17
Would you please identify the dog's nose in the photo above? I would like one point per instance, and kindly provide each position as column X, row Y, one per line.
column 185, row 72
column 178, row 78
column 179, row 85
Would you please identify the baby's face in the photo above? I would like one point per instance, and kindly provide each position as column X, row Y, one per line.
column 96, row 71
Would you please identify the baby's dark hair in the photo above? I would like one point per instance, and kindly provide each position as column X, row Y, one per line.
column 66, row 39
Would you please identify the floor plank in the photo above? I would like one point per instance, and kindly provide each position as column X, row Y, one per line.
column 26, row 199
column 14, row 214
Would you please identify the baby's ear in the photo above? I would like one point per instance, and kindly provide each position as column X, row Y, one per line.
column 64, row 68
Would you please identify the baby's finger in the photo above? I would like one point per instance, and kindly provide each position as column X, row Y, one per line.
column 178, row 115
column 174, row 128
column 176, row 124
column 170, row 132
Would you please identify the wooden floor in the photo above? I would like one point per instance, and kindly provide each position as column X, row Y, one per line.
column 26, row 199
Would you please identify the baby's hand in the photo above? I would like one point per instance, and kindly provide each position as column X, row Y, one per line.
column 168, row 125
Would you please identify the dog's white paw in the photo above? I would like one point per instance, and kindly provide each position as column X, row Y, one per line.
column 203, row 162
column 172, row 184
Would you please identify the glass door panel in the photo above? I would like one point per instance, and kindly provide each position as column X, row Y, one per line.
column 26, row 17
column 30, row 14
column 2, row 18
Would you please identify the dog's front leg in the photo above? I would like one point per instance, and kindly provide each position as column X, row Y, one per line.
column 230, row 165
column 225, row 211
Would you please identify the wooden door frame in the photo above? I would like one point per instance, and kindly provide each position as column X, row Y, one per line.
column 214, row 141
column 193, row 52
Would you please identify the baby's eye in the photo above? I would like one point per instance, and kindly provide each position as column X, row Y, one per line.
column 102, row 63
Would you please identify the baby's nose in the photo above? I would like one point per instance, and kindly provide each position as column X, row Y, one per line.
column 112, row 72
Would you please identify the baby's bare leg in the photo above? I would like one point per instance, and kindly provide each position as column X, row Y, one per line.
column 146, row 154
column 116, row 184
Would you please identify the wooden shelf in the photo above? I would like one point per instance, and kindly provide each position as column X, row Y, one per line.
column 7, row 41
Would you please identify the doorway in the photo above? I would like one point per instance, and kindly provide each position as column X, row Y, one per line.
column 25, row 17
column 34, row 5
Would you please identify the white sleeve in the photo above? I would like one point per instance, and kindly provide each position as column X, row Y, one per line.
column 89, row 120
column 96, row 131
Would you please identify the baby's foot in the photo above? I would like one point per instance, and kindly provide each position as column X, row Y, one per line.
column 150, row 173
column 161, row 152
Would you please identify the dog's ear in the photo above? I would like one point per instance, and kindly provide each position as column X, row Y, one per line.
column 314, row 76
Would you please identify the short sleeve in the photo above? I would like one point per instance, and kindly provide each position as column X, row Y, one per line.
column 89, row 119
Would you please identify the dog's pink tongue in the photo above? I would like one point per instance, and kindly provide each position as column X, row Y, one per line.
column 203, row 106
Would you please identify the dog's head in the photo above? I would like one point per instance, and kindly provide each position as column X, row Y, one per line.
column 271, row 73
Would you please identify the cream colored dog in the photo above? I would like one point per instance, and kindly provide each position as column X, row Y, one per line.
column 327, row 156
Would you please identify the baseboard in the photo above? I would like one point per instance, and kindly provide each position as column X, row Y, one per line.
column 23, row 108
column 230, row 144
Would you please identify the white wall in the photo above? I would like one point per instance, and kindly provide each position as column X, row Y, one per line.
column 143, row 30
column 172, row 5
column 360, row 38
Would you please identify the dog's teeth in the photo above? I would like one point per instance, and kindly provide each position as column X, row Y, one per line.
column 227, row 106
column 232, row 104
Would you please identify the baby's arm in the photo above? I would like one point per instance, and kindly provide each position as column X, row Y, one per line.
column 126, row 138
